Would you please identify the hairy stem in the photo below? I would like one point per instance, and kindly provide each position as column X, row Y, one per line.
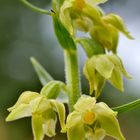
column 72, row 77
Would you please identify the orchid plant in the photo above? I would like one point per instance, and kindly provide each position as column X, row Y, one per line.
column 87, row 119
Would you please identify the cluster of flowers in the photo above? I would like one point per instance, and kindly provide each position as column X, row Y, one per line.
column 88, row 120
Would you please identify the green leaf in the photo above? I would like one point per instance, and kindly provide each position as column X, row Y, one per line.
column 37, row 126
column 21, row 111
column 52, row 89
column 76, row 132
column 65, row 39
column 60, row 109
column 127, row 107
column 108, row 121
column 43, row 75
column 91, row 46
column 118, row 23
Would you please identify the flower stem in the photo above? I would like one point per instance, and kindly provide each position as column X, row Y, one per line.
column 127, row 107
column 35, row 8
column 72, row 77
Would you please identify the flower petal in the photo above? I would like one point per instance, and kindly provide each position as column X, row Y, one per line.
column 100, row 82
column 92, row 12
column 40, row 105
column 20, row 111
column 98, row 134
column 118, row 63
column 118, row 23
column 25, row 98
column 37, row 127
column 85, row 103
column 76, row 132
column 49, row 122
column 103, row 65
column 108, row 121
column 49, row 127
column 60, row 109
column 89, row 72
column 116, row 79
column 65, row 15
column 73, row 118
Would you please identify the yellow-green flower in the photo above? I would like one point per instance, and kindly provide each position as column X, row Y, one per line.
column 92, row 121
column 80, row 14
column 86, row 16
column 43, row 112
column 107, row 33
column 103, row 67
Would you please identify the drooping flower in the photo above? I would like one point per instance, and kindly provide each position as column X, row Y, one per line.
column 99, row 68
column 107, row 33
column 43, row 112
column 86, row 16
column 92, row 121
column 80, row 14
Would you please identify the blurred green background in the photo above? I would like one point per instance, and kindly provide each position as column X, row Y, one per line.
column 24, row 33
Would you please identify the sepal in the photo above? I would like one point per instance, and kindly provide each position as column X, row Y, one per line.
column 99, row 68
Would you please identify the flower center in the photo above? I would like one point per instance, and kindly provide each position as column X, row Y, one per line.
column 89, row 117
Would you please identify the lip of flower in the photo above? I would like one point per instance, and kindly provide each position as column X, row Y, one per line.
column 89, row 117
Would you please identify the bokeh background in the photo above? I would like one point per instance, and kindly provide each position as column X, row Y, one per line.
column 24, row 33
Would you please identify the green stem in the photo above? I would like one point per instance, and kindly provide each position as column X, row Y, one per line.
column 127, row 107
column 35, row 8
column 72, row 77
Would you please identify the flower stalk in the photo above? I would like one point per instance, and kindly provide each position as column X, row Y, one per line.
column 126, row 107
column 35, row 8
column 72, row 77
